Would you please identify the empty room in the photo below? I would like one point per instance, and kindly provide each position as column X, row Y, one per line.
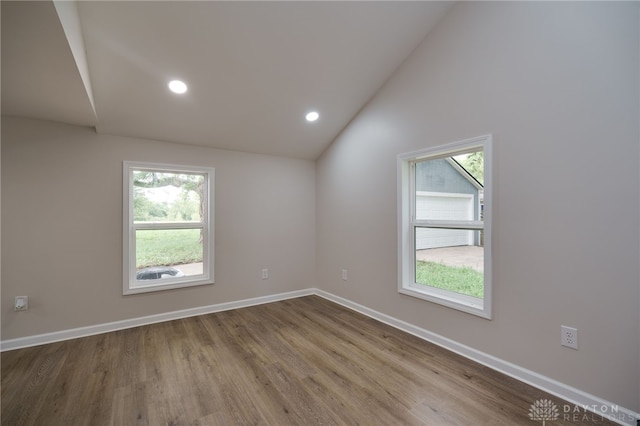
column 320, row 212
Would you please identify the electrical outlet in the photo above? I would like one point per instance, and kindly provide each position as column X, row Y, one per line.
column 569, row 337
column 21, row 303
column 265, row 274
column 344, row 274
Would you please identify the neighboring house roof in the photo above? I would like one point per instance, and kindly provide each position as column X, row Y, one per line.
column 445, row 175
column 464, row 172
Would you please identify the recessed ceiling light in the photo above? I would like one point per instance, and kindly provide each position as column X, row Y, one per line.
column 312, row 116
column 177, row 86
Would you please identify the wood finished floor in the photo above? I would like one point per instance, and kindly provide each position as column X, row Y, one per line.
column 304, row 361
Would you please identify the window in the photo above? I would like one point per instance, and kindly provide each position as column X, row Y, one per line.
column 168, row 226
column 444, row 225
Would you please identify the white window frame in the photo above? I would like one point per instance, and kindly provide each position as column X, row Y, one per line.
column 130, row 284
column 407, row 225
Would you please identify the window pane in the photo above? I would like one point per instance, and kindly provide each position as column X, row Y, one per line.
column 444, row 218
column 167, row 197
column 458, row 268
column 445, row 190
column 165, row 253
column 429, row 238
column 450, row 189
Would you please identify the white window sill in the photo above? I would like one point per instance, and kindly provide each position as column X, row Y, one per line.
column 461, row 302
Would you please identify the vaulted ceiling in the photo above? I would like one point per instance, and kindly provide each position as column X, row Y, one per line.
column 253, row 69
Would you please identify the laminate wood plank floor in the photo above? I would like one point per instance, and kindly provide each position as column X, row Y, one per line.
column 305, row 361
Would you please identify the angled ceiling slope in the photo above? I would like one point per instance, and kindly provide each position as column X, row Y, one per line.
column 40, row 77
column 254, row 69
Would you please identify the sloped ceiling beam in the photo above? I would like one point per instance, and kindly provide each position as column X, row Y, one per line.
column 70, row 20
column 40, row 76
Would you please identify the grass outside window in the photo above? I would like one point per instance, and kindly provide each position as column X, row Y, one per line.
column 463, row 280
column 168, row 247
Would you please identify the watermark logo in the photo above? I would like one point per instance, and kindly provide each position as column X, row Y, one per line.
column 544, row 409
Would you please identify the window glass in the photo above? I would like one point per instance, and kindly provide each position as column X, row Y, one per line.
column 168, row 230
column 167, row 197
column 176, row 248
column 444, row 240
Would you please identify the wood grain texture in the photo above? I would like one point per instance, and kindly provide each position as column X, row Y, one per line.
column 304, row 361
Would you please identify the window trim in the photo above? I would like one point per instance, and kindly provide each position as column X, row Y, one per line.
column 407, row 225
column 130, row 284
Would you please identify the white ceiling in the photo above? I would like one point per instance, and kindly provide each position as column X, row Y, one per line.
column 253, row 68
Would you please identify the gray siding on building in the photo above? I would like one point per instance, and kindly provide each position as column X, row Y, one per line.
column 440, row 176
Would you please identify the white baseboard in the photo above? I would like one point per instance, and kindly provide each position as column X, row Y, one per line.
column 588, row 404
column 57, row 336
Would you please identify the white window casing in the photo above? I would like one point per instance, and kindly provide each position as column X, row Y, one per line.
column 205, row 224
column 409, row 224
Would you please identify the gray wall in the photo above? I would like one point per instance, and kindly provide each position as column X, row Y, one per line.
column 557, row 86
column 62, row 226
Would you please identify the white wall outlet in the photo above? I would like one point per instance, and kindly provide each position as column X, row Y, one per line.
column 265, row 274
column 21, row 303
column 569, row 337
column 344, row 274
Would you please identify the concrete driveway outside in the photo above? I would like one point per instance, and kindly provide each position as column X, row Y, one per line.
column 190, row 268
column 471, row 256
